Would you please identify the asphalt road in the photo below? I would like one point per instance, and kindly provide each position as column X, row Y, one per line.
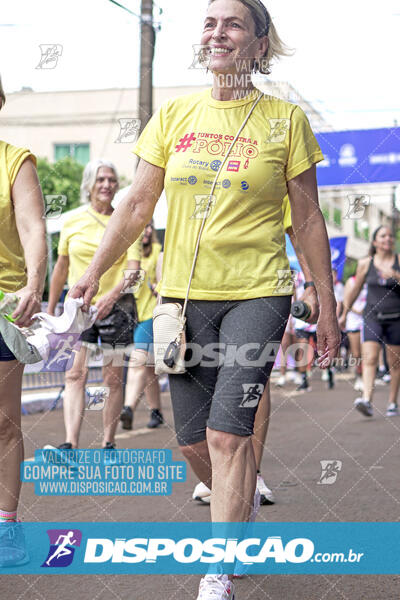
column 305, row 429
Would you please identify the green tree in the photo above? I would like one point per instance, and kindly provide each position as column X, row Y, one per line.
column 63, row 178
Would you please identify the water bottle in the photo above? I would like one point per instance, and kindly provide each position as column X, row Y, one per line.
column 8, row 304
column 300, row 310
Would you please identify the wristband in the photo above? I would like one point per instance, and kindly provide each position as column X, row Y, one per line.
column 309, row 284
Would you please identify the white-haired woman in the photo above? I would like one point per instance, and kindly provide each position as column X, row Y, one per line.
column 238, row 296
column 113, row 329
column 23, row 259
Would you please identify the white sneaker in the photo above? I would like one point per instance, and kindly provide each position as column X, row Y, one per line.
column 202, row 493
column 392, row 410
column 386, row 378
column 364, row 406
column 324, row 375
column 266, row 495
column 378, row 382
column 281, row 381
column 216, row 587
column 358, row 385
column 298, row 379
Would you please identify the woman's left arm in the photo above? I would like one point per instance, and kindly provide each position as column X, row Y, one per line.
column 27, row 199
column 309, row 228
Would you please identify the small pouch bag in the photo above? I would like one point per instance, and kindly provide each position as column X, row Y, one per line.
column 169, row 338
column 169, row 319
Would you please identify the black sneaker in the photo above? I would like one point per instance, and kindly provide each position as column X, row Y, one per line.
column 65, row 446
column 156, row 419
column 304, row 386
column 331, row 381
column 126, row 417
column 109, row 446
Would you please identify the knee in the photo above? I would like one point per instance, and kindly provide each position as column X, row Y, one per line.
column 369, row 360
column 225, row 443
column 75, row 377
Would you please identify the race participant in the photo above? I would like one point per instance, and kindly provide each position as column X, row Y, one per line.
column 381, row 272
column 113, row 330
column 306, row 334
column 236, row 295
column 23, row 258
column 354, row 324
column 141, row 375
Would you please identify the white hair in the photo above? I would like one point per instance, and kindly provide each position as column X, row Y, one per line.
column 90, row 174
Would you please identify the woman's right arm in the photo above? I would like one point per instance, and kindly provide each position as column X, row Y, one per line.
column 351, row 293
column 126, row 224
column 58, row 279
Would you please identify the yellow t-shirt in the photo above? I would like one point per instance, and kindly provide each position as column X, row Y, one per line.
column 287, row 215
column 79, row 239
column 242, row 249
column 145, row 300
column 12, row 260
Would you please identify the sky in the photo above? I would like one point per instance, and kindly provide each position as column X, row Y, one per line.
column 345, row 62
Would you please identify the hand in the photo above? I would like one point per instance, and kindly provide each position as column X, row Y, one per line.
column 310, row 297
column 328, row 338
column 104, row 305
column 86, row 288
column 28, row 305
column 388, row 273
column 342, row 321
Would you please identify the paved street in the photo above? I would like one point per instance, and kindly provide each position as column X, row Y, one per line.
column 305, row 429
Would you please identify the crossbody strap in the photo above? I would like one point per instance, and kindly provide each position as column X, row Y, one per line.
column 196, row 251
column 96, row 218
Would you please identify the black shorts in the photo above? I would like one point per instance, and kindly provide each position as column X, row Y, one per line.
column 386, row 332
column 117, row 328
column 5, row 352
column 232, row 346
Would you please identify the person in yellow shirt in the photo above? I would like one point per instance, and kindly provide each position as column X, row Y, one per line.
column 23, row 260
column 79, row 240
column 241, row 289
column 141, row 376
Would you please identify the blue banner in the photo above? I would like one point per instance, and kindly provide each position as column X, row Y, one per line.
column 338, row 254
column 359, row 156
column 186, row 548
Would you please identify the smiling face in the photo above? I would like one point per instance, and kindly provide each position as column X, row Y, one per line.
column 229, row 34
column 384, row 240
column 105, row 186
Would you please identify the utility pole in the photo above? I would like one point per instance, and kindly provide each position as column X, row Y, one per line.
column 147, row 43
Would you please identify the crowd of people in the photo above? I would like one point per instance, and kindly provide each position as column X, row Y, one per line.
column 220, row 265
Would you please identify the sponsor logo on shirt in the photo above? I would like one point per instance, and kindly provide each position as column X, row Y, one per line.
column 244, row 185
column 215, row 165
column 226, row 184
column 278, row 130
column 233, row 165
column 192, row 180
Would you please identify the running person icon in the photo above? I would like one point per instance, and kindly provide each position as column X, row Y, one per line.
column 62, row 549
